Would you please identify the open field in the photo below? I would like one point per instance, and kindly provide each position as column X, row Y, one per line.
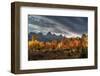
column 57, row 54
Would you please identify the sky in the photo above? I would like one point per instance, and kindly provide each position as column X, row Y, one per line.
column 59, row 25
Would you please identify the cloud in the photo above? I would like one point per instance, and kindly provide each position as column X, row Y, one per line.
column 58, row 25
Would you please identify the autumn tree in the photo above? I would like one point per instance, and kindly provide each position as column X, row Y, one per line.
column 84, row 41
column 34, row 37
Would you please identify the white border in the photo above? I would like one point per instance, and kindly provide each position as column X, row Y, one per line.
column 25, row 64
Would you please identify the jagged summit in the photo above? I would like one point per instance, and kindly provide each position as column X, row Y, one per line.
column 41, row 37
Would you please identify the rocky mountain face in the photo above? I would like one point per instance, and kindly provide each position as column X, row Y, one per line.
column 48, row 37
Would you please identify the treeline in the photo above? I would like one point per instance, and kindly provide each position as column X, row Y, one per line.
column 65, row 43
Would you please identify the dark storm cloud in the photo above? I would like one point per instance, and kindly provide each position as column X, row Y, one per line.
column 58, row 24
column 76, row 24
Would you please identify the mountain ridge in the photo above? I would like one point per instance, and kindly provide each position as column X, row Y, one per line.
column 48, row 37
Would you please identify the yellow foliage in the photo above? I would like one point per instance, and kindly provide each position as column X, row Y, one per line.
column 66, row 43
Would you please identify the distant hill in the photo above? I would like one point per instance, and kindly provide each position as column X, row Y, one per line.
column 48, row 37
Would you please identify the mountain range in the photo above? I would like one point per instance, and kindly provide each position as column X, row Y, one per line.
column 48, row 37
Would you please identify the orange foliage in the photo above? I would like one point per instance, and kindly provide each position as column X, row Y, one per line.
column 66, row 43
